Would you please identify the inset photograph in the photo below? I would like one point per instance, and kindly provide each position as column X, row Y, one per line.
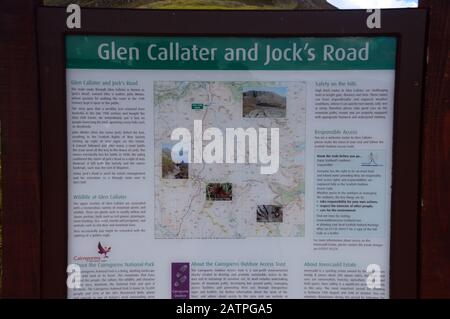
column 219, row 191
column 269, row 213
column 264, row 102
column 171, row 169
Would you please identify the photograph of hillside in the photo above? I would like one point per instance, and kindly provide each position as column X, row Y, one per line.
column 171, row 169
column 264, row 102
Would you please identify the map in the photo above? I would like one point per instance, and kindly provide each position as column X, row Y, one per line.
column 230, row 200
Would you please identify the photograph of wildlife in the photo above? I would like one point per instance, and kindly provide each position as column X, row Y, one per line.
column 264, row 102
column 269, row 213
column 219, row 191
column 178, row 169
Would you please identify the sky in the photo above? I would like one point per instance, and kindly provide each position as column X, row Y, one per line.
column 373, row 4
column 279, row 90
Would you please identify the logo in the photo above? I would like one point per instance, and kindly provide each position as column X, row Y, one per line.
column 371, row 160
column 180, row 280
column 103, row 250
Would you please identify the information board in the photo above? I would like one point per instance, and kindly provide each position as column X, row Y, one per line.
column 210, row 154
column 230, row 167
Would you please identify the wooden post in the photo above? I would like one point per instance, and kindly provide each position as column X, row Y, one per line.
column 19, row 101
column 435, row 217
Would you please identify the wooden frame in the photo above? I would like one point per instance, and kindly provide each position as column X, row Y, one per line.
column 435, row 217
column 408, row 25
column 20, row 143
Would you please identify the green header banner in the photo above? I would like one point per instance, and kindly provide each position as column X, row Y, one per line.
column 230, row 53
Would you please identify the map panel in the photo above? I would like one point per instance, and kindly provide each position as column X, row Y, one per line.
column 199, row 200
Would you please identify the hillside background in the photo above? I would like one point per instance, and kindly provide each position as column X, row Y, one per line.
column 200, row 4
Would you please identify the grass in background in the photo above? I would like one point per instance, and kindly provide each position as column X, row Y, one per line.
column 219, row 5
column 183, row 4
